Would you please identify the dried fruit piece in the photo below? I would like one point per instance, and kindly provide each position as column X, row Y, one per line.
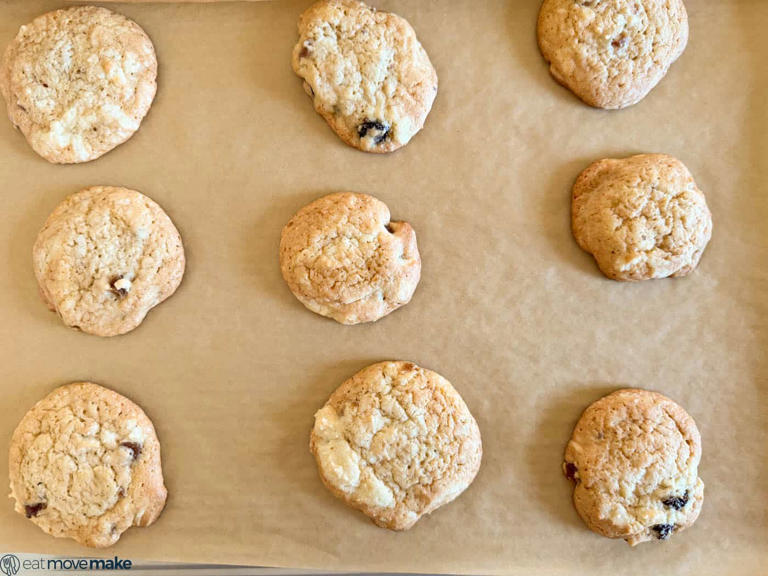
column 570, row 471
column 619, row 42
column 133, row 447
column 379, row 129
column 34, row 509
column 663, row 530
column 676, row 502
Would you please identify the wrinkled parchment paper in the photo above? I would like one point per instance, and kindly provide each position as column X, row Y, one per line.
column 232, row 368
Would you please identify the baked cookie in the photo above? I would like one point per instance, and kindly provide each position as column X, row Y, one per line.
column 366, row 72
column 611, row 53
column 641, row 217
column 343, row 258
column 396, row 441
column 105, row 257
column 634, row 458
column 77, row 82
column 85, row 464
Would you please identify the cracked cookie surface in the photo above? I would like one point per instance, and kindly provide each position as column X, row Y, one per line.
column 105, row 257
column 634, row 458
column 343, row 258
column 641, row 217
column 396, row 441
column 366, row 72
column 85, row 464
column 611, row 53
column 77, row 82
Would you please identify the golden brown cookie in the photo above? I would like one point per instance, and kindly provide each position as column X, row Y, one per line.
column 611, row 53
column 85, row 464
column 366, row 72
column 641, row 217
column 396, row 441
column 633, row 459
column 343, row 258
column 105, row 257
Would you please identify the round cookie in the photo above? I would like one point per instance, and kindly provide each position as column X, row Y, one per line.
column 396, row 441
column 366, row 72
column 641, row 217
column 634, row 458
column 105, row 257
column 611, row 53
column 343, row 258
column 78, row 81
column 85, row 464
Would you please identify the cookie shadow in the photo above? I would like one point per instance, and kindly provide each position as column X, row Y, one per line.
column 557, row 418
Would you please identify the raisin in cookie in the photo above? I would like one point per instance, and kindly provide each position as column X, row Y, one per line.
column 634, row 458
column 78, row 82
column 396, row 441
column 343, row 258
column 85, row 464
column 105, row 257
column 641, row 217
column 367, row 73
column 611, row 53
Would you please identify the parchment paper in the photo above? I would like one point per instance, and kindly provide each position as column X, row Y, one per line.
column 232, row 368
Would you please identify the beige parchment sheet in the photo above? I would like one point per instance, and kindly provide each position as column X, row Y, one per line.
column 232, row 368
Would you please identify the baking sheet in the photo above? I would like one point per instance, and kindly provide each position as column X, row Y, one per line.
column 232, row 368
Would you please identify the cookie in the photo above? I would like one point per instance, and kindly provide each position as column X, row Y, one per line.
column 633, row 459
column 396, row 441
column 343, row 258
column 105, row 257
column 78, row 82
column 611, row 53
column 366, row 72
column 641, row 217
column 85, row 464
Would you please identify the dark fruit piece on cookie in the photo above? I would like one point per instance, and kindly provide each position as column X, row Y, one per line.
column 570, row 471
column 381, row 129
column 619, row 42
column 34, row 509
column 663, row 530
column 676, row 502
column 133, row 447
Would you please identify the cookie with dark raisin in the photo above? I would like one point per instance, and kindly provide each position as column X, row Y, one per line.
column 366, row 72
column 85, row 464
column 633, row 461
column 105, row 257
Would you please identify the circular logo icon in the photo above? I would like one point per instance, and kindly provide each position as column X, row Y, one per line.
column 10, row 564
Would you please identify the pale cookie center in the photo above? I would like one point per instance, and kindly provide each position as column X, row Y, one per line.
column 77, row 468
column 391, row 445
